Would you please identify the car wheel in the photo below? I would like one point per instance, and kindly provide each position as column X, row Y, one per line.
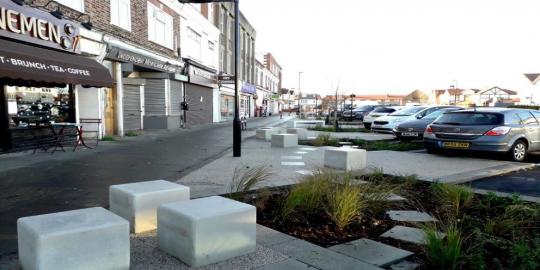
column 518, row 152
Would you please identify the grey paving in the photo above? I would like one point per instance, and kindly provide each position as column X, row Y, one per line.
column 292, row 163
column 269, row 237
column 305, row 172
column 291, row 157
column 372, row 252
column 408, row 234
column 301, row 152
column 289, row 264
column 395, row 198
column 404, row 265
column 410, row 216
column 321, row 258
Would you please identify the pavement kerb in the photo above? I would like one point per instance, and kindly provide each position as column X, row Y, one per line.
column 506, row 194
column 465, row 177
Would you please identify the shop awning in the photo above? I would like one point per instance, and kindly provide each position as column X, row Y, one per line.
column 25, row 65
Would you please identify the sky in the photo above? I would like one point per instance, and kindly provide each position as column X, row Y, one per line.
column 396, row 46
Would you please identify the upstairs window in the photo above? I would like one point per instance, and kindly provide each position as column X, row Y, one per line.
column 74, row 4
column 121, row 13
column 160, row 27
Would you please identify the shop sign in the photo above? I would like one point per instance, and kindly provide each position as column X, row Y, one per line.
column 140, row 60
column 35, row 26
column 202, row 77
column 226, row 79
column 248, row 88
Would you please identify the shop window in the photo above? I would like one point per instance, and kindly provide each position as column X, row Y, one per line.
column 121, row 13
column 160, row 27
column 33, row 106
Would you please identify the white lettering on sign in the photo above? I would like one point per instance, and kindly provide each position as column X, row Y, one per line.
column 42, row 66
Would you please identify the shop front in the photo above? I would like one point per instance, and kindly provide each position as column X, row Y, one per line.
column 201, row 94
column 247, row 104
column 40, row 71
column 151, row 90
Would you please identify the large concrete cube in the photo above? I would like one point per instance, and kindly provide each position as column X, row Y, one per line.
column 91, row 238
column 301, row 132
column 266, row 133
column 284, row 140
column 207, row 230
column 138, row 202
column 345, row 158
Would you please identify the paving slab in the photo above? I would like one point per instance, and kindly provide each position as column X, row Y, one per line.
column 301, row 152
column 290, row 264
column 372, row 252
column 404, row 265
column 305, row 172
column 320, row 257
column 269, row 237
column 291, row 157
column 395, row 198
column 410, row 216
column 292, row 163
column 408, row 234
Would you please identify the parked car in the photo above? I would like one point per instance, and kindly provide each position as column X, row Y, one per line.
column 504, row 130
column 414, row 129
column 387, row 123
column 378, row 112
column 359, row 113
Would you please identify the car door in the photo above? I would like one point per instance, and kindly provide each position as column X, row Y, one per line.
column 531, row 128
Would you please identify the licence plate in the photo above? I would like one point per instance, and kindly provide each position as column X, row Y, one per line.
column 409, row 134
column 458, row 145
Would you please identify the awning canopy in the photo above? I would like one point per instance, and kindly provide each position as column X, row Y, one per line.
column 25, row 65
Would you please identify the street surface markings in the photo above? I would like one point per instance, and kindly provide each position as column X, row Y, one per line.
column 305, row 172
column 292, row 163
column 301, row 152
column 291, row 157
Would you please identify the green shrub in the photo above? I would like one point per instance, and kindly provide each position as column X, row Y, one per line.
column 324, row 140
column 108, row 138
column 524, row 214
column 132, row 134
column 308, row 195
column 344, row 203
column 443, row 253
column 524, row 256
column 531, row 107
column 246, row 178
column 454, row 197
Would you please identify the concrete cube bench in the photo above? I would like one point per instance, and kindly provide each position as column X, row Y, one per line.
column 284, row 140
column 345, row 158
column 138, row 202
column 266, row 133
column 207, row 230
column 91, row 238
column 301, row 132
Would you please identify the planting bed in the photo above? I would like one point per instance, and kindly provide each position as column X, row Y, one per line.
column 495, row 232
column 392, row 145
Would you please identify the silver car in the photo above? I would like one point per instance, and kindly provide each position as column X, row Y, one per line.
column 504, row 130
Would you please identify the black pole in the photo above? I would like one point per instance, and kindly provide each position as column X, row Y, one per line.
column 5, row 134
column 237, row 125
column 351, row 108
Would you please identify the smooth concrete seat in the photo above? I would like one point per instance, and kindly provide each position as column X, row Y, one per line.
column 345, row 158
column 207, row 230
column 138, row 202
column 91, row 238
column 301, row 132
column 284, row 140
column 266, row 133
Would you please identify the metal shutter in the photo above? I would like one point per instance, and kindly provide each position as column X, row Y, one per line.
column 176, row 98
column 132, row 107
column 200, row 100
column 154, row 97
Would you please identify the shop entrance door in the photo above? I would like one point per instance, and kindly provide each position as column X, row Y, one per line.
column 109, row 111
column 133, row 111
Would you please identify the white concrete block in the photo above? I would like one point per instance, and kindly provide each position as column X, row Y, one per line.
column 138, row 202
column 345, row 158
column 266, row 133
column 301, row 132
column 207, row 230
column 284, row 140
column 91, row 238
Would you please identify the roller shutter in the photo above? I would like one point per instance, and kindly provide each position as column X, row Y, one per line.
column 200, row 100
column 132, row 107
column 176, row 98
column 154, row 97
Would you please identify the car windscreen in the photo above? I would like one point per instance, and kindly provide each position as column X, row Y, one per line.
column 470, row 119
column 437, row 113
column 407, row 111
column 383, row 110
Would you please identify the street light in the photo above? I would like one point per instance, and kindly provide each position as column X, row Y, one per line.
column 352, row 97
column 299, row 93
column 237, row 124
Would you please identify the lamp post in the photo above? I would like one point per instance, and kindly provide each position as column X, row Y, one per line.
column 352, row 97
column 237, row 124
column 299, row 93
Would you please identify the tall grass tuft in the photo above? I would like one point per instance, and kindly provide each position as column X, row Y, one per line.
column 344, row 203
column 308, row 195
column 453, row 197
column 246, row 178
column 443, row 253
column 324, row 140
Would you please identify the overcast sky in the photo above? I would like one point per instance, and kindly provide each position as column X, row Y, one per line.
column 395, row 46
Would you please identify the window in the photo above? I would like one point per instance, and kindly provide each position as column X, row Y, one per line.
column 121, row 13
column 222, row 21
column 160, row 27
column 211, row 16
column 74, row 4
column 527, row 118
column 194, row 47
